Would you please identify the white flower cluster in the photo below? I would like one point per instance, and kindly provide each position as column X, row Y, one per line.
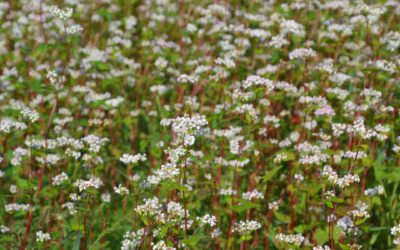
column 13, row 189
column 254, row 194
column 392, row 40
column 347, row 225
column 7, row 125
column 278, row 42
column 161, row 245
column 208, row 219
column 321, row 248
column 132, row 240
column 187, row 125
column 273, row 205
column 175, row 210
column 94, row 142
column 227, row 191
column 326, row 110
column 255, row 80
column 106, row 197
column 386, row 66
column 360, row 129
column 299, row 177
column 316, row 159
column 42, row 237
column 349, row 155
column 343, row 182
column 70, row 207
column 227, row 61
column 74, row 29
column 293, row 239
column 238, row 163
column 93, row 182
column 16, row 207
column 114, row 102
column 292, row 27
column 30, row 114
column 374, row 191
column 302, row 53
column 52, row 76
column 127, row 158
column 280, row 157
column 361, row 211
column 161, row 63
column 151, row 208
column 169, row 170
column 4, row 229
column 121, row 190
column 395, row 231
column 246, row 227
column 188, row 79
column 50, row 159
column 17, row 156
column 59, row 13
column 330, row 173
column 58, row 180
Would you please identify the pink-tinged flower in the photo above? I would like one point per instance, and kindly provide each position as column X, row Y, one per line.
column 327, row 110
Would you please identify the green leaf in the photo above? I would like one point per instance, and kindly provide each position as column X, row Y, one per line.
column 174, row 185
column 329, row 204
column 104, row 13
column 42, row 48
column 336, row 199
column 101, row 66
column 281, row 217
column 360, row 221
column 344, row 247
column 192, row 240
column 39, row 87
column 77, row 241
column 268, row 176
column 321, row 236
column 163, row 231
column 245, row 205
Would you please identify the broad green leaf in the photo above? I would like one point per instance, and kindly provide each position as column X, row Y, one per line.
column 268, row 176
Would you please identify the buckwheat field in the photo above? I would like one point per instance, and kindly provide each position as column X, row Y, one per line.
column 199, row 124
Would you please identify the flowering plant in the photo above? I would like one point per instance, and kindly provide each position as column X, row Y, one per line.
column 163, row 124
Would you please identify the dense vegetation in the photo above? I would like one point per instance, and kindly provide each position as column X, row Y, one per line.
column 199, row 124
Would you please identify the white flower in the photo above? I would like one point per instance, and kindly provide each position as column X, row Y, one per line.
column 246, row 227
column 70, row 207
column 374, row 191
column 7, row 125
column 74, row 29
column 295, row 239
column 132, row 159
column 106, row 197
column 254, row 194
column 93, row 182
column 16, row 207
column 30, row 114
column 58, row 180
column 255, row 80
column 41, row 237
column 302, row 53
column 4, row 229
column 208, row 220
column 52, row 76
column 62, row 14
column 13, row 189
column 161, row 63
column 121, row 190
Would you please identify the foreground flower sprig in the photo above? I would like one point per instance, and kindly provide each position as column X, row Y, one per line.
column 199, row 124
